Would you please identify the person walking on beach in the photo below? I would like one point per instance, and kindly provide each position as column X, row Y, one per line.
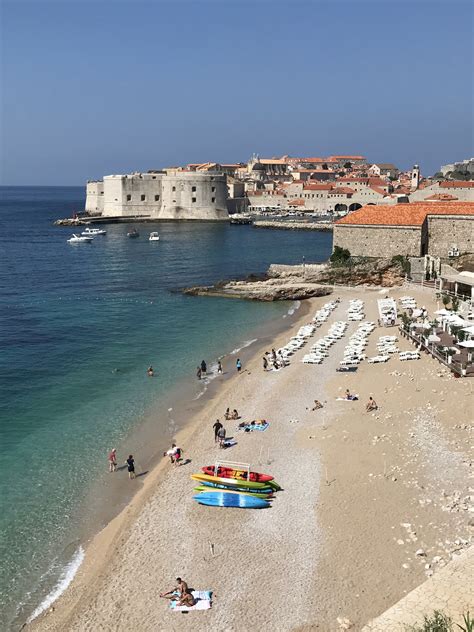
column 203, row 368
column 221, row 436
column 265, row 363
column 219, row 366
column 238, row 364
column 217, row 426
column 130, row 466
column 113, row 460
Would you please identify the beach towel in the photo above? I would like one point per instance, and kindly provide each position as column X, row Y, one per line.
column 354, row 398
column 203, row 602
column 250, row 428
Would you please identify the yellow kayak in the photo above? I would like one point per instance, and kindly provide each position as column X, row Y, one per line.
column 230, row 482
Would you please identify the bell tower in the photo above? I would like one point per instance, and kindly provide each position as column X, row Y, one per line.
column 415, row 177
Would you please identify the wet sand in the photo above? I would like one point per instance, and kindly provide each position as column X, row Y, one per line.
column 363, row 492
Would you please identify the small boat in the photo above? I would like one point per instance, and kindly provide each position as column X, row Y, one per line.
column 133, row 234
column 78, row 239
column 154, row 237
column 92, row 232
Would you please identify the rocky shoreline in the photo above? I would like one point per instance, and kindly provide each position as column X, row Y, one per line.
column 299, row 282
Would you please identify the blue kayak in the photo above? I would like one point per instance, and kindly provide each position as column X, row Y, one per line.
column 221, row 499
column 241, row 488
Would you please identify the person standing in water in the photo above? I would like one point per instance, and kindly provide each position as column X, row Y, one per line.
column 198, row 373
column 219, row 366
column 113, row 460
column 150, row 371
column 238, row 364
column 203, row 368
column 130, row 466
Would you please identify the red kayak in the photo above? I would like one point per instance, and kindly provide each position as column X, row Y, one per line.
column 241, row 475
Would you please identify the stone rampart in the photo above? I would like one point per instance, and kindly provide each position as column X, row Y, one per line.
column 445, row 232
column 378, row 241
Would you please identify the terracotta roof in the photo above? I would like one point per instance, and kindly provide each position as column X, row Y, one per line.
column 379, row 190
column 297, row 202
column 413, row 214
column 317, row 187
column 457, row 184
column 273, row 161
column 348, row 157
column 346, row 190
column 441, row 197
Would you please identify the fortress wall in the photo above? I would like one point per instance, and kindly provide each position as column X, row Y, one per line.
column 95, row 197
column 194, row 196
column 444, row 232
column 378, row 241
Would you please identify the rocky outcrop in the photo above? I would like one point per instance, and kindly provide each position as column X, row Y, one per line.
column 284, row 282
column 269, row 290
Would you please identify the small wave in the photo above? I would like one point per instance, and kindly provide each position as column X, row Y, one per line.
column 294, row 306
column 247, row 343
column 64, row 580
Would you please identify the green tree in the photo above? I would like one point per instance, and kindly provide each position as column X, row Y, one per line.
column 455, row 303
column 446, row 300
column 340, row 256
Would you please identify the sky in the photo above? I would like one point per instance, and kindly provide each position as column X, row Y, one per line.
column 91, row 87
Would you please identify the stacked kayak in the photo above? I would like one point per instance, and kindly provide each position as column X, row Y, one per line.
column 228, row 472
column 224, row 499
column 228, row 491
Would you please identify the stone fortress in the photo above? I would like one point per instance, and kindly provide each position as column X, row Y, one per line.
column 171, row 194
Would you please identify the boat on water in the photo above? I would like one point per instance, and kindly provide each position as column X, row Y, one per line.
column 154, row 237
column 92, row 232
column 79, row 239
column 133, row 234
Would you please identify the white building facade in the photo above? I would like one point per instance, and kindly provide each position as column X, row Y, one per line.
column 171, row 195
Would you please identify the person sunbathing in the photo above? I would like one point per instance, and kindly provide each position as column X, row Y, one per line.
column 317, row 405
column 227, row 414
column 371, row 405
column 235, row 414
column 181, row 593
column 349, row 396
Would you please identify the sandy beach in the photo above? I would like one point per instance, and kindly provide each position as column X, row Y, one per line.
column 372, row 503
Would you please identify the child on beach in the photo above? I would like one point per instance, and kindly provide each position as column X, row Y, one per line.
column 130, row 466
column 113, row 460
column 238, row 364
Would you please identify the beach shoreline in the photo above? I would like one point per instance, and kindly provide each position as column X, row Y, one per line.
column 182, row 406
column 336, row 529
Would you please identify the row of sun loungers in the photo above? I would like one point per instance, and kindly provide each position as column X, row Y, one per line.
column 409, row 355
column 407, row 302
column 354, row 351
column 386, row 345
column 319, row 349
column 356, row 310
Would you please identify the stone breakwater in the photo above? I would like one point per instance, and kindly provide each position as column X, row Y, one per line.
column 294, row 226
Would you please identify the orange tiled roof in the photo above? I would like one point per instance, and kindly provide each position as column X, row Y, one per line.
column 297, row 202
column 457, row 184
column 346, row 190
column 348, row 157
column 317, row 187
column 379, row 190
column 441, row 197
column 413, row 214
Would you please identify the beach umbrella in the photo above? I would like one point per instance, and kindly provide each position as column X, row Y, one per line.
column 434, row 338
column 470, row 329
column 455, row 320
column 467, row 344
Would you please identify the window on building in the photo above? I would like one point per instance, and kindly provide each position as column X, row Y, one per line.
column 157, row 197
column 213, row 199
column 213, row 189
column 173, row 189
column 153, row 177
column 129, row 197
column 193, row 189
column 193, row 199
column 142, row 197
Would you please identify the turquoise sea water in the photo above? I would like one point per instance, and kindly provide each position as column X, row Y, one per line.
column 70, row 316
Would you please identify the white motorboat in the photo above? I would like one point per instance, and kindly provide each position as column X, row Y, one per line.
column 79, row 239
column 92, row 232
column 154, row 237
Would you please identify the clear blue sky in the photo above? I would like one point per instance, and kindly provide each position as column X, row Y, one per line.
column 92, row 88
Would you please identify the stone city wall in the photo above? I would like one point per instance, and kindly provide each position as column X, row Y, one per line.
column 444, row 232
column 378, row 241
column 463, row 194
column 95, row 197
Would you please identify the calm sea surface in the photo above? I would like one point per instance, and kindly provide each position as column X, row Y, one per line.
column 70, row 316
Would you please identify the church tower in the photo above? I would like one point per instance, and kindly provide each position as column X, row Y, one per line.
column 415, row 178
